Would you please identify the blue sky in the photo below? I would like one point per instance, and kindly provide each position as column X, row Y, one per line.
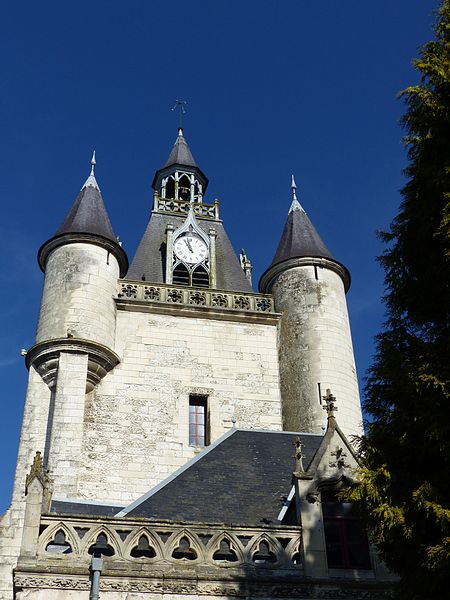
column 274, row 88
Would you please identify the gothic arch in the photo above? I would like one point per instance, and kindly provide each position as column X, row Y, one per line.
column 49, row 535
column 133, row 541
column 214, row 546
column 111, row 536
column 176, row 541
column 265, row 550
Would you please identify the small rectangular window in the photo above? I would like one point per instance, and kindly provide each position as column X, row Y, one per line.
column 198, row 421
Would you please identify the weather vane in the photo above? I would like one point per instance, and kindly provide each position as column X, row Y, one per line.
column 180, row 105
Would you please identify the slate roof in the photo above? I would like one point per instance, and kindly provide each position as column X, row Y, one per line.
column 241, row 479
column 300, row 238
column 67, row 507
column 88, row 213
column 149, row 260
column 180, row 153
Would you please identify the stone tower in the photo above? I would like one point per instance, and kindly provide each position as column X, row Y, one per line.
column 76, row 331
column 315, row 346
column 164, row 405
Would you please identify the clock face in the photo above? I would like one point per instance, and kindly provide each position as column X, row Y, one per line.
column 190, row 249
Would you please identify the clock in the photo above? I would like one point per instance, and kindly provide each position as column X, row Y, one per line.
column 190, row 248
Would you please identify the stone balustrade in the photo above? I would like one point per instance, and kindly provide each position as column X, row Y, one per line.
column 181, row 208
column 144, row 542
column 195, row 297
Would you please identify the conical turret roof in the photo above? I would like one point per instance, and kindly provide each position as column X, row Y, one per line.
column 87, row 221
column 299, row 238
column 88, row 213
column 180, row 153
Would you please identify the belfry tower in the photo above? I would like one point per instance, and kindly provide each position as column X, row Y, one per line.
column 315, row 344
column 165, row 402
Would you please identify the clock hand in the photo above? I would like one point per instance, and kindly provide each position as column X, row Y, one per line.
column 188, row 243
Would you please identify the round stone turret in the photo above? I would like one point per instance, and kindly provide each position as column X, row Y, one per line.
column 315, row 345
column 82, row 264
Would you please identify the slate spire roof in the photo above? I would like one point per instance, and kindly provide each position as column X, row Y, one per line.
column 88, row 213
column 87, row 221
column 180, row 153
column 299, row 238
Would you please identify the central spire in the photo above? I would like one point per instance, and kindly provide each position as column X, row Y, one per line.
column 180, row 153
column 180, row 177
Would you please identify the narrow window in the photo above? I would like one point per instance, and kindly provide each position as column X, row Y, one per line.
column 345, row 534
column 320, row 393
column 316, row 274
column 198, row 421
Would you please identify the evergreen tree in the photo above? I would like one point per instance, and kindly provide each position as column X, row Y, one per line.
column 405, row 489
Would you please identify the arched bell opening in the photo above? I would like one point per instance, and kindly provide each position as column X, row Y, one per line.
column 180, row 275
column 169, row 190
column 184, row 188
column 200, row 277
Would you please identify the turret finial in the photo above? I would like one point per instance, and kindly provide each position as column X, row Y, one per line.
column 91, row 181
column 295, row 203
column 294, row 189
column 93, row 163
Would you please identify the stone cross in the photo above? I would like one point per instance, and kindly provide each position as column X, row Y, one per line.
column 330, row 404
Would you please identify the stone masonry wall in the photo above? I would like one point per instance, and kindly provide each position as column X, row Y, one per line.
column 315, row 346
column 80, row 282
column 32, row 438
column 136, row 420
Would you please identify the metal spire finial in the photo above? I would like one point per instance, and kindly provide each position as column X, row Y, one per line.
column 180, row 105
column 91, row 181
column 294, row 189
column 93, row 163
column 295, row 203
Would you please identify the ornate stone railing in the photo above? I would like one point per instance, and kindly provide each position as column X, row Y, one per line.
column 181, row 207
column 141, row 557
column 138, row 542
column 195, row 297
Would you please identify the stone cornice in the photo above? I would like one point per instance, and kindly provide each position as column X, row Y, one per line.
column 84, row 238
column 44, row 357
column 269, row 276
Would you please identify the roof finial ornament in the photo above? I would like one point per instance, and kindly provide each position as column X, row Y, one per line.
column 93, row 163
column 330, row 407
column 294, row 189
column 180, row 105
column 299, row 456
column 295, row 203
column 91, row 181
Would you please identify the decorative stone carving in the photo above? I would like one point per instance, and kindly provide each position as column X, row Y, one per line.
column 152, row 293
column 128, row 291
column 198, row 298
column 241, row 302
